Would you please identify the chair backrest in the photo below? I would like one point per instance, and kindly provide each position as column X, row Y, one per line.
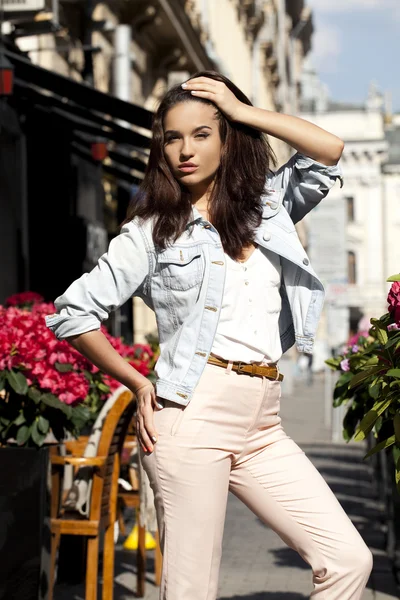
column 106, row 439
column 111, row 442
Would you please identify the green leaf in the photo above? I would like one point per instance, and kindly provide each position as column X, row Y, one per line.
column 381, row 446
column 357, row 379
column 374, row 360
column 43, row 424
column 374, row 390
column 34, row 395
column 103, row 387
column 369, row 419
column 54, row 402
column 334, row 362
column 394, row 277
column 18, row 382
column 380, row 330
column 36, row 435
column 80, row 416
column 378, row 424
column 393, row 340
column 396, row 426
column 382, row 335
column 344, row 378
column 63, row 367
column 88, row 375
column 396, row 452
column 23, row 434
column 393, row 373
column 20, row 419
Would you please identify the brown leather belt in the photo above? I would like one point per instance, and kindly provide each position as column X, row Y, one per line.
column 248, row 369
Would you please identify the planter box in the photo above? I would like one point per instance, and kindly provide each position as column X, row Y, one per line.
column 24, row 523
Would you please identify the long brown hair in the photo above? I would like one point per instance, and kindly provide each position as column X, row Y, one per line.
column 234, row 204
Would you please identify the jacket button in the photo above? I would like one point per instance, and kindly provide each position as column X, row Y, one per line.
column 266, row 236
column 306, row 261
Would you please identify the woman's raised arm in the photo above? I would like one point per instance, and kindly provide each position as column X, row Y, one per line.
column 303, row 136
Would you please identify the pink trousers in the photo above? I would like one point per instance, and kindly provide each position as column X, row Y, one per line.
column 230, row 437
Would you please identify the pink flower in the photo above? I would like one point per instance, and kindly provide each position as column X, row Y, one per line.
column 345, row 364
column 394, row 301
column 355, row 338
column 28, row 345
column 393, row 327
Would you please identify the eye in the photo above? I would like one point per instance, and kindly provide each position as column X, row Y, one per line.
column 171, row 138
column 202, row 135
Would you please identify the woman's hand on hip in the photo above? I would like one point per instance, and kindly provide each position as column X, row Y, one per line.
column 146, row 404
column 217, row 92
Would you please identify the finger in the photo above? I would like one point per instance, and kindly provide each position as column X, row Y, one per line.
column 139, row 436
column 148, row 418
column 157, row 405
column 144, row 436
column 202, row 87
column 207, row 95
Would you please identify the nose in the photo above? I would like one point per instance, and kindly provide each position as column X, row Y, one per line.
column 186, row 150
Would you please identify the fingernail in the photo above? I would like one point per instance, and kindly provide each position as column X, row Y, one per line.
column 184, row 85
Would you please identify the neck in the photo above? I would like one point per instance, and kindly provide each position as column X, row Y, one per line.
column 200, row 198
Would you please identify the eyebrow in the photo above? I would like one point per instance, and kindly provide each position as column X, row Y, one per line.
column 174, row 131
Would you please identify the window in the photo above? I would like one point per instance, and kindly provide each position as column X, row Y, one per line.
column 350, row 208
column 351, row 267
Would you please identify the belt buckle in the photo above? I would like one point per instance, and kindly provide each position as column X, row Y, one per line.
column 239, row 367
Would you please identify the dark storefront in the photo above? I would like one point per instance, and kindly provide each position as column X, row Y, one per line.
column 60, row 202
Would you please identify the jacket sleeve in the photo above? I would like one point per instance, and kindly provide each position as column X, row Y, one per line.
column 304, row 182
column 119, row 273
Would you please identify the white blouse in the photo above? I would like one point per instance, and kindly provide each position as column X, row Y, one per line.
column 248, row 329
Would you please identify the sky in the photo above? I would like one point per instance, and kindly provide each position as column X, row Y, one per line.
column 356, row 42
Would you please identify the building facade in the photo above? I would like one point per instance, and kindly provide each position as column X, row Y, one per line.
column 355, row 266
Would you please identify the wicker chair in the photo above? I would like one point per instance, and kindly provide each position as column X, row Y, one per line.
column 102, row 500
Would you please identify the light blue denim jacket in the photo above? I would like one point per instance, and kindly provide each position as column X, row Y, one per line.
column 184, row 283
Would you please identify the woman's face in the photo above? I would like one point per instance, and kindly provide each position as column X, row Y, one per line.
column 192, row 143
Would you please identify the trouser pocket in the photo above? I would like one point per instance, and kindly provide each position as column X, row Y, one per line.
column 168, row 420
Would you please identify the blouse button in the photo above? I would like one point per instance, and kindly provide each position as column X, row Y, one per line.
column 266, row 236
column 246, row 283
column 306, row 261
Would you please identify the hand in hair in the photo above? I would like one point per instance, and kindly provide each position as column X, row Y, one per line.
column 217, row 92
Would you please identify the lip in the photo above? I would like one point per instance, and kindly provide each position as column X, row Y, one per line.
column 187, row 167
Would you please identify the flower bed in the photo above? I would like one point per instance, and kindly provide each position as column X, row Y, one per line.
column 45, row 384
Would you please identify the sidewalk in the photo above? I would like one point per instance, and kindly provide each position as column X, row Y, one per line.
column 256, row 564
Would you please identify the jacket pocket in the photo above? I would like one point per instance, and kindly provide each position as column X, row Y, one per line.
column 181, row 268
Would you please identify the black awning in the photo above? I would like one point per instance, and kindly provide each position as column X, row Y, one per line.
column 82, row 118
column 79, row 93
column 88, row 112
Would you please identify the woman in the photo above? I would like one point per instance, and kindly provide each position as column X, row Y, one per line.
column 210, row 245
